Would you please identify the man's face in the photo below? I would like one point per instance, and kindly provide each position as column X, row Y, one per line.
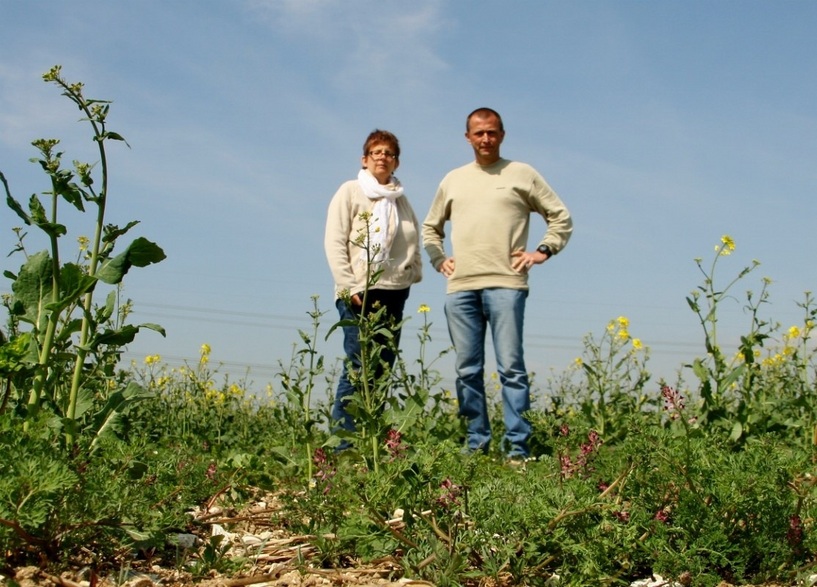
column 485, row 138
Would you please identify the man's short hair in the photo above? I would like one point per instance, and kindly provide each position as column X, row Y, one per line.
column 483, row 113
column 378, row 136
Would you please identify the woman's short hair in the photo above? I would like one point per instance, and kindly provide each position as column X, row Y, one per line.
column 378, row 136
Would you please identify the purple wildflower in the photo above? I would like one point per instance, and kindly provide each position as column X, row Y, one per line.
column 622, row 516
column 325, row 470
column 582, row 461
column 794, row 536
column 662, row 516
column 395, row 445
column 673, row 401
column 450, row 494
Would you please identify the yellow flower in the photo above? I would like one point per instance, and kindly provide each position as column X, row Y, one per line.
column 637, row 344
column 83, row 241
column 623, row 334
column 424, row 309
column 794, row 332
column 727, row 245
column 578, row 361
column 152, row 359
column 205, row 349
column 623, row 322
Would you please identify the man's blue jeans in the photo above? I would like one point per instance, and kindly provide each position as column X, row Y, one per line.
column 469, row 313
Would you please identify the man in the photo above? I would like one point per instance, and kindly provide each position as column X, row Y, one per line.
column 489, row 203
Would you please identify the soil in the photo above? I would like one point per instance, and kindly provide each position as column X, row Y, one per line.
column 277, row 559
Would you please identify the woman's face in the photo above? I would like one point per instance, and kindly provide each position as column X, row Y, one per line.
column 380, row 161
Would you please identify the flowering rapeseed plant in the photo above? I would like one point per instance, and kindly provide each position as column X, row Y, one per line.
column 726, row 247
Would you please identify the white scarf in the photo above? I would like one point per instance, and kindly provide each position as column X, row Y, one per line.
column 384, row 213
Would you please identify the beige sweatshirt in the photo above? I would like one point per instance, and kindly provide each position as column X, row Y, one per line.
column 489, row 209
column 347, row 261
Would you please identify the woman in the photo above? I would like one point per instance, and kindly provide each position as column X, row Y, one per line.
column 386, row 240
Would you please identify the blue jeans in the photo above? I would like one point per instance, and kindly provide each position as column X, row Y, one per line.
column 394, row 301
column 469, row 313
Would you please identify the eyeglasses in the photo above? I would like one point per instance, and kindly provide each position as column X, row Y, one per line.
column 380, row 153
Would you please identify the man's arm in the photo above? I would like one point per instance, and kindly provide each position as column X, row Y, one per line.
column 559, row 222
column 434, row 230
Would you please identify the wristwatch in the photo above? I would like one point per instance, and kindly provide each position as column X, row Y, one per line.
column 545, row 250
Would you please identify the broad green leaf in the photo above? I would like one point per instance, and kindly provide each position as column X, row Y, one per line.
column 733, row 375
column 33, row 285
column 107, row 421
column 700, row 370
column 737, row 432
column 121, row 336
column 74, row 283
column 85, row 403
column 68, row 329
column 105, row 312
column 140, row 253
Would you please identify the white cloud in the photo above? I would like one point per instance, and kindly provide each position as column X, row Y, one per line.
column 363, row 47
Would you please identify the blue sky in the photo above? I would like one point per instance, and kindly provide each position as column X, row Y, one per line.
column 662, row 125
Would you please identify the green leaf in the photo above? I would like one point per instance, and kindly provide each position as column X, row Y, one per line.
column 121, row 336
column 733, row 375
column 107, row 421
column 18, row 209
column 737, row 432
column 140, row 253
column 85, row 403
column 16, row 355
column 114, row 136
column 74, row 283
column 33, row 285
column 65, row 187
column 113, row 232
column 104, row 313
